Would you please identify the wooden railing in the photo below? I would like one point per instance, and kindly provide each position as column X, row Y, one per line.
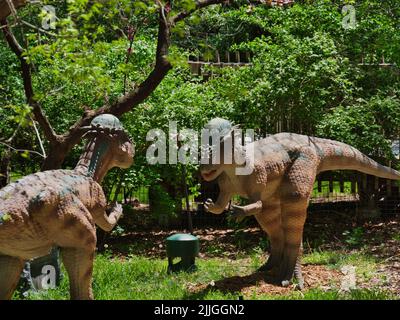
column 227, row 59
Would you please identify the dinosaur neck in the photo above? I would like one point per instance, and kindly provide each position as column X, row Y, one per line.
column 93, row 161
column 238, row 155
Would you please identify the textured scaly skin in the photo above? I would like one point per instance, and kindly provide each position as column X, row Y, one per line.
column 60, row 208
column 47, row 209
column 279, row 189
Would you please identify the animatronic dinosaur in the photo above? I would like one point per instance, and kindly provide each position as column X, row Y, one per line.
column 284, row 169
column 60, row 208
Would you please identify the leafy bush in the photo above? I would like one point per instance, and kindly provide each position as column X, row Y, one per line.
column 162, row 206
column 366, row 125
column 354, row 237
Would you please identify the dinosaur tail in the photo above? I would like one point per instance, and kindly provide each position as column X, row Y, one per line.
column 340, row 156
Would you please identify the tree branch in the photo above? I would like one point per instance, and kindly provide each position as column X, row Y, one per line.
column 60, row 145
column 40, row 117
column 39, row 139
column 162, row 66
column 199, row 5
column 140, row 93
column 21, row 150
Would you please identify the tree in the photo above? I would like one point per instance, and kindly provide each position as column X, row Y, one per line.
column 168, row 17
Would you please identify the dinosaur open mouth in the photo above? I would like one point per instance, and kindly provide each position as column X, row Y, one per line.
column 209, row 174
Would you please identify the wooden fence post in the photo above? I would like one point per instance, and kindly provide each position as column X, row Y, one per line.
column 341, row 184
column 330, row 184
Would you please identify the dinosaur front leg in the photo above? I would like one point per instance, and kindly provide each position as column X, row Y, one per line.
column 240, row 212
column 79, row 265
column 108, row 222
column 10, row 270
column 219, row 206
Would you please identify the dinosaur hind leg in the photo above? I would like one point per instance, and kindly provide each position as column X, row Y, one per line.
column 293, row 221
column 10, row 271
column 79, row 265
column 297, row 271
column 77, row 240
column 270, row 222
column 295, row 193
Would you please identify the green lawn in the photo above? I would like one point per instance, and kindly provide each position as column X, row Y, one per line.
column 136, row 277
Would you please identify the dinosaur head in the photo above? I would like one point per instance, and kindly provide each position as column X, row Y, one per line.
column 109, row 146
column 220, row 147
column 122, row 150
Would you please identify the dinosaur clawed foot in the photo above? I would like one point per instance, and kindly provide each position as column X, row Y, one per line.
column 238, row 213
column 275, row 276
column 284, row 283
column 297, row 286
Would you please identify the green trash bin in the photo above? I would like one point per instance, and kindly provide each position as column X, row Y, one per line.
column 184, row 246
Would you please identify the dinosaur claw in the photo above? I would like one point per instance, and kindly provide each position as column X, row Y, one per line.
column 208, row 204
column 238, row 218
column 238, row 213
column 285, row 283
column 299, row 286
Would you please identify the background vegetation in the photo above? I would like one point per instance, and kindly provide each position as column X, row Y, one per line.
column 306, row 73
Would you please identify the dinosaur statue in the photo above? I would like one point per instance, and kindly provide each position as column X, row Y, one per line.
column 284, row 168
column 60, row 208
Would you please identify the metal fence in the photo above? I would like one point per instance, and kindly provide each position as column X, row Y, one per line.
column 349, row 193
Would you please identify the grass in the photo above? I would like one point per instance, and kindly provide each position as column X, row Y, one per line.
column 365, row 264
column 229, row 259
column 358, row 294
column 139, row 278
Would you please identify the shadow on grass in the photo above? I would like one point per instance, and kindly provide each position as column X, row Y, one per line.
column 257, row 284
column 232, row 285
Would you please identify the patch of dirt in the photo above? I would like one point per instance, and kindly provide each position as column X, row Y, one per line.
column 315, row 276
column 213, row 242
column 328, row 230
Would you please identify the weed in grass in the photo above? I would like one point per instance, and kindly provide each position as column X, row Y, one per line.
column 264, row 244
column 396, row 237
column 213, row 250
column 354, row 237
column 321, row 257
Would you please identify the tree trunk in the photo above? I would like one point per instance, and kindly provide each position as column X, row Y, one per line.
column 5, row 169
column 55, row 158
